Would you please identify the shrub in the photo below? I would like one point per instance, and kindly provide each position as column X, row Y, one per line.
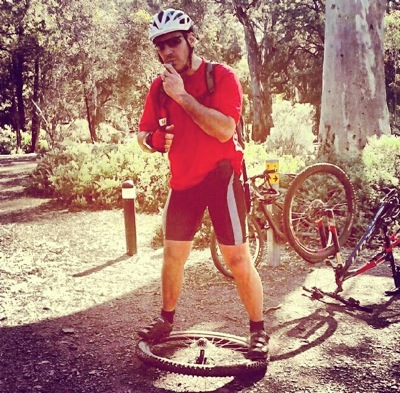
column 381, row 159
column 83, row 174
column 378, row 166
column 8, row 141
column 292, row 132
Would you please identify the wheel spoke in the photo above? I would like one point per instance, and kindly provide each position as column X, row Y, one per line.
column 200, row 353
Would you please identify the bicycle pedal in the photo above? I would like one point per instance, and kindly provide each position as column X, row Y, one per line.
column 353, row 302
column 391, row 292
column 316, row 295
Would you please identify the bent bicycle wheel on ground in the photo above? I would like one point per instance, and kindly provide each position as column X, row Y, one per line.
column 256, row 246
column 200, row 353
column 314, row 191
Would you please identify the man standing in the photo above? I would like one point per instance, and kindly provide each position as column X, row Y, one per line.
column 198, row 131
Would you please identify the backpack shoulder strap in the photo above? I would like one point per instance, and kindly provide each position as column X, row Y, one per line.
column 210, row 78
column 161, row 107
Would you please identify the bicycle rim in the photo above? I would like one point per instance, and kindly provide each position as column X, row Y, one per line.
column 315, row 189
column 256, row 246
column 200, row 353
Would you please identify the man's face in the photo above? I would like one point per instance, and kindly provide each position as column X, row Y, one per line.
column 174, row 49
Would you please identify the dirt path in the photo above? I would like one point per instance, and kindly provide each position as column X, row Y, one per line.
column 71, row 301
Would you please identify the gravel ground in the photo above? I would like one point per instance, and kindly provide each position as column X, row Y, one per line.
column 71, row 301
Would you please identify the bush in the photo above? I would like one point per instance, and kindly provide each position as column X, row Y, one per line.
column 8, row 141
column 381, row 159
column 379, row 166
column 292, row 132
column 81, row 174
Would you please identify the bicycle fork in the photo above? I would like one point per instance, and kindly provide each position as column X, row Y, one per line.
column 392, row 241
column 338, row 267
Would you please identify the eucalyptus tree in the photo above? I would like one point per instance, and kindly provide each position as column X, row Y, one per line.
column 27, row 34
column 392, row 66
column 353, row 96
column 138, row 64
column 17, row 47
column 297, row 71
column 284, row 45
column 90, row 38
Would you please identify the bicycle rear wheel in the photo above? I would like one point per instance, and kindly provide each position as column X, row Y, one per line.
column 314, row 190
column 200, row 353
column 256, row 245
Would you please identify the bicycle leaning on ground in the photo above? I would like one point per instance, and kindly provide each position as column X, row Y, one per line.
column 385, row 226
column 297, row 216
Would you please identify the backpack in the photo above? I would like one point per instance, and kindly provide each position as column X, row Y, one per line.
column 210, row 81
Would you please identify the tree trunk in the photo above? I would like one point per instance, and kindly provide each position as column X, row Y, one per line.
column 259, row 61
column 15, row 122
column 35, row 128
column 90, row 120
column 16, row 71
column 353, row 93
column 18, row 66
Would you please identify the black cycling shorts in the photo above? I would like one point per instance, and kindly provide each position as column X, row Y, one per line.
column 222, row 193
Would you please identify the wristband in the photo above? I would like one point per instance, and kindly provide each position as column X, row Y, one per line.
column 155, row 140
column 147, row 141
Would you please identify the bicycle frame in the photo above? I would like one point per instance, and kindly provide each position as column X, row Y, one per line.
column 388, row 212
column 386, row 255
column 260, row 201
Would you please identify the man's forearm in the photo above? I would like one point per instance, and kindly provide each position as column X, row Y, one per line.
column 211, row 121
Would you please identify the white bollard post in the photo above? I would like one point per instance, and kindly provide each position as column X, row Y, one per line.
column 128, row 200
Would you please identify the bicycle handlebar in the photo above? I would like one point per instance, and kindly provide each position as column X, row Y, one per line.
column 269, row 194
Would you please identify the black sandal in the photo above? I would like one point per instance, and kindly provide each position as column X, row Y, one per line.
column 258, row 346
column 158, row 329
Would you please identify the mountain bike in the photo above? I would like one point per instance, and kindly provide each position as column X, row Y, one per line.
column 385, row 228
column 297, row 216
column 200, row 353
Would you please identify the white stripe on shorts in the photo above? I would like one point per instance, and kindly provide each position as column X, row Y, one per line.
column 233, row 213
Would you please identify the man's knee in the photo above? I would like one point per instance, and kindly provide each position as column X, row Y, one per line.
column 239, row 264
column 176, row 251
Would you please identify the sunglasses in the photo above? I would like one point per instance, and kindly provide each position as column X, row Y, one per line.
column 171, row 42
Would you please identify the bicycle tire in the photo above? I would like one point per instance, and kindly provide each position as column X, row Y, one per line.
column 256, row 245
column 315, row 188
column 224, row 354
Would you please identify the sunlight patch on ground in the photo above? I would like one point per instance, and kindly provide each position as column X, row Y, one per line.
column 304, row 326
column 76, row 263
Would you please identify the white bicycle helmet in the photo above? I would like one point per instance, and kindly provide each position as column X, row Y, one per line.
column 168, row 21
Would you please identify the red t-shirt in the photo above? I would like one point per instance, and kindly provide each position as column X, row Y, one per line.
column 194, row 153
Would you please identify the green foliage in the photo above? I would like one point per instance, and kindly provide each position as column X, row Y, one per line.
column 78, row 131
column 290, row 142
column 392, row 30
column 8, row 141
column 381, row 159
column 81, row 174
column 376, row 167
column 292, row 132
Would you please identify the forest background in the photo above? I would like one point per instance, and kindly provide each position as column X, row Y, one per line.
column 74, row 76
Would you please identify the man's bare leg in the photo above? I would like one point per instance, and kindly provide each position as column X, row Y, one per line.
column 175, row 256
column 248, row 281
